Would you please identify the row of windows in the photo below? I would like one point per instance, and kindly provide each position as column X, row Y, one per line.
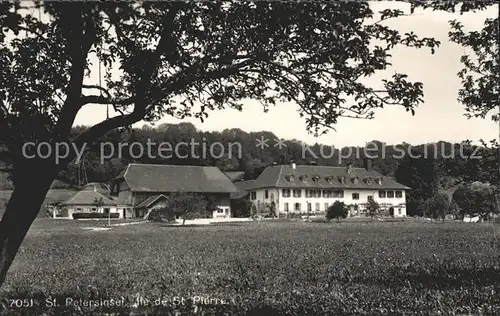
column 330, row 179
column 297, row 207
column 313, row 193
column 390, row 194
column 297, row 193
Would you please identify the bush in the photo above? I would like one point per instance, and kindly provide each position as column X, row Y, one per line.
column 161, row 215
column 241, row 208
column 95, row 215
column 337, row 210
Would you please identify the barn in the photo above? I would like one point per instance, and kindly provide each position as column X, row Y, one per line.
column 142, row 187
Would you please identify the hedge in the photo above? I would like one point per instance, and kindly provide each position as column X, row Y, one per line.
column 95, row 215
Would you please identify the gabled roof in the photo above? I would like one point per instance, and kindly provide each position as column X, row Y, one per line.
column 88, row 198
column 276, row 177
column 176, row 178
column 242, row 187
column 150, row 200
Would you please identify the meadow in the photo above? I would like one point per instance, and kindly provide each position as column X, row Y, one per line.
column 260, row 268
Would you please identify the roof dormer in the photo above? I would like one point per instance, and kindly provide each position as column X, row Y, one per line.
column 316, row 178
column 303, row 178
column 368, row 180
column 341, row 180
column 355, row 180
column 378, row 181
column 289, row 177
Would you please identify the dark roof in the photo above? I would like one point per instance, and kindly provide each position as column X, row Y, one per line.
column 242, row 187
column 275, row 176
column 150, row 200
column 175, row 178
column 235, row 175
column 88, row 198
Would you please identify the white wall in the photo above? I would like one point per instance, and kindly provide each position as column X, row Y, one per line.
column 223, row 211
column 67, row 212
column 399, row 204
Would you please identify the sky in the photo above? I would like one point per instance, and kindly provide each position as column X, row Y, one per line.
column 439, row 117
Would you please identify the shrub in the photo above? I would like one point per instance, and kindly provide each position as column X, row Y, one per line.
column 337, row 210
column 241, row 208
column 163, row 214
column 95, row 215
column 372, row 208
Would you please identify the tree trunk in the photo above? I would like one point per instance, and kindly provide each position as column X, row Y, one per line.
column 22, row 209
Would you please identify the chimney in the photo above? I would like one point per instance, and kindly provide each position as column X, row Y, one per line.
column 349, row 168
column 368, row 164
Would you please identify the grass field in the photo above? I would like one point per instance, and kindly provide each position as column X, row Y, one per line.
column 265, row 268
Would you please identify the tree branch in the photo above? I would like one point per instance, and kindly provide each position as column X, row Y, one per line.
column 80, row 37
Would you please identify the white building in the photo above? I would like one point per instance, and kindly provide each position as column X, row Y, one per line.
column 308, row 189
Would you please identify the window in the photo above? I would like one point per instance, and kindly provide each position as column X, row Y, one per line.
column 317, row 207
column 399, row 211
column 338, row 194
column 317, row 193
column 399, row 194
column 390, row 194
column 253, row 195
column 286, row 207
column 266, row 194
column 220, row 211
column 79, row 209
column 297, row 206
column 327, row 193
column 227, row 211
column 326, row 206
column 94, row 209
column 381, row 194
column 297, row 192
column 369, row 198
column 309, row 207
column 309, row 193
column 286, row 192
column 355, row 196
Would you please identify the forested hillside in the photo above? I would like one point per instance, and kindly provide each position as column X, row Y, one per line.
column 242, row 152
column 426, row 168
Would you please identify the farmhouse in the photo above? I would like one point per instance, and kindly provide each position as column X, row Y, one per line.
column 85, row 202
column 143, row 187
column 306, row 189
